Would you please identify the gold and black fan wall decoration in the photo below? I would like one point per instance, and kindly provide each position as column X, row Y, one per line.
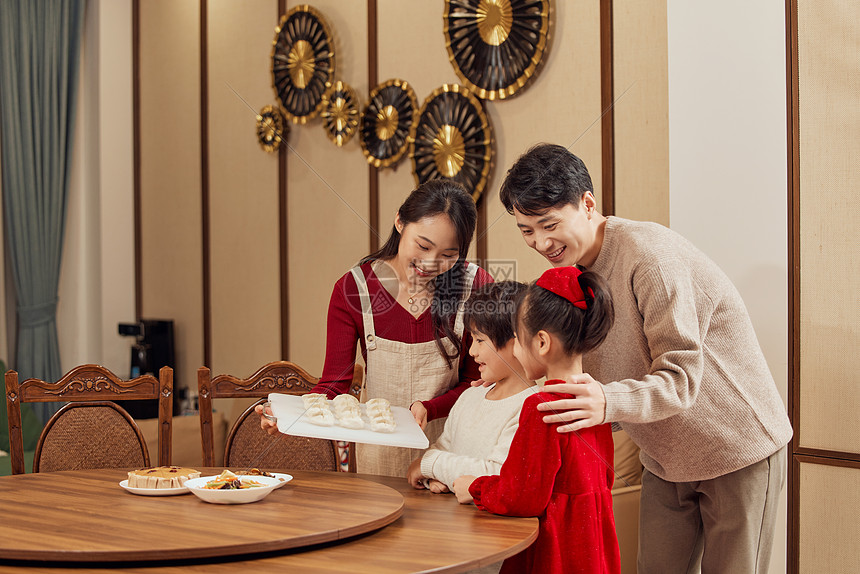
column 387, row 119
column 452, row 139
column 340, row 114
column 272, row 129
column 302, row 62
column 496, row 46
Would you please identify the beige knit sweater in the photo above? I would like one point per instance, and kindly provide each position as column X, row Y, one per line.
column 682, row 369
column 477, row 436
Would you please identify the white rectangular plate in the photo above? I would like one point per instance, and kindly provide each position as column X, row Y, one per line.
column 290, row 410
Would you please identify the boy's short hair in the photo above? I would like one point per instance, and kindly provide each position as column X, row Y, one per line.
column 546, row 176
column 491, row 309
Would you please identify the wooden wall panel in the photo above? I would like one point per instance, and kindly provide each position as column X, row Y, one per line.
column 562, row 106
column 171, row 272
column 641, row 66
column 243, row 189
column 328, row 198
column 828, row 33
column 411, row 47
column 829, row 528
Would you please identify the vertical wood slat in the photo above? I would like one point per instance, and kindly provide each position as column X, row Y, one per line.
column 135, row 122
column 204, row 182
column 793, row 163
column 607, row 121
column 372, row 81
column 283, row 222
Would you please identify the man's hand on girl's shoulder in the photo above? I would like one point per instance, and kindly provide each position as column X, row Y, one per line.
column 481, row 383
column 586, row 409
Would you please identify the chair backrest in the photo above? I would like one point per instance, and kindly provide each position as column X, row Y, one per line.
column 91, row 431
column 246, row 441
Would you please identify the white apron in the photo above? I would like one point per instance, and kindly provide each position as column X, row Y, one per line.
column 403, row 373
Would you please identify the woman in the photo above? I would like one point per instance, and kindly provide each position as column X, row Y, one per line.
column 403, row 305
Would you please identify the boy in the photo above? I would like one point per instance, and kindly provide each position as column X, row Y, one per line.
column 483, row 421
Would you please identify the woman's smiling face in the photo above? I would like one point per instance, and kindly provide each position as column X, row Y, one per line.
column 428, row 247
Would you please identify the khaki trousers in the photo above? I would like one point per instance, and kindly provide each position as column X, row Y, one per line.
column 723, row 525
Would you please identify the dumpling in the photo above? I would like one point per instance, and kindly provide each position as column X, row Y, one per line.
column 320, row 414
column 314, row 399
column 344, row 401
column 377, row 406
column 348, row 412
column 382, row 423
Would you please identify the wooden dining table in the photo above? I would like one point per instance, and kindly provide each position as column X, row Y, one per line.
column 319, row 522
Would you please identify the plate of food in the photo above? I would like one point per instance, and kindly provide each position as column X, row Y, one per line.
column 344, row 418
column 281, row 476
column 229, row 488
column 159, row 480
column 153, row 491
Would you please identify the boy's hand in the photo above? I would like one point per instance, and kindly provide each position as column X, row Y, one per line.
column 461, row 488
column 267, row 425
column 481, row 383
column 437, row 487
column 586, row 409
column 414, row 476
column 419, row 412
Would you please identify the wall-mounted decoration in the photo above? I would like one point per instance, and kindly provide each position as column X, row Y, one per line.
column 452, row 139
column 302, row 62
column 385, row 123
column 272, row 128
column 496, row 46
column 340, row 113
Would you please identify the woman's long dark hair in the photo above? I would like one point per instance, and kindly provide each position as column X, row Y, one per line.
column 433, row 198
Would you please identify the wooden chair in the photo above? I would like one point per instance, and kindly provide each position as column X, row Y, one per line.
column 90, row 431
column 246, row 441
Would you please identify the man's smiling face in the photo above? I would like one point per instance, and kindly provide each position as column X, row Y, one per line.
column 564, row 235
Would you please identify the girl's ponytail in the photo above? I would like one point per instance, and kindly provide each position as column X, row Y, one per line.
column 599, row 312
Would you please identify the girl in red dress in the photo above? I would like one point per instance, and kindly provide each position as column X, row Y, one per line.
column 562, row 478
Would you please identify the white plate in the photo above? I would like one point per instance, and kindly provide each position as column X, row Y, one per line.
column 239, row 496
column 153, row 491
column 290, row 410
column 283, row 478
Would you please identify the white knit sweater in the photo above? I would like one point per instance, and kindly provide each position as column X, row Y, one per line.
column 477, row 436
column 682, row 369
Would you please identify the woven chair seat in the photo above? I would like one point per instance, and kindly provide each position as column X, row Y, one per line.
column 290, row 452
column 94, row 437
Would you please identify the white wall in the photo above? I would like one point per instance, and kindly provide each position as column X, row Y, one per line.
column 97, row 274
column 728, row 160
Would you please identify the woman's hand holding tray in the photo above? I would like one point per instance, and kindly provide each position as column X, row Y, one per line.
column 290, row 412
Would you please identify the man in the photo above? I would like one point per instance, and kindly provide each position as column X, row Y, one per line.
column 681, row 371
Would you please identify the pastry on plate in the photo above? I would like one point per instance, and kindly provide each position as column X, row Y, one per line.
column 161, row 477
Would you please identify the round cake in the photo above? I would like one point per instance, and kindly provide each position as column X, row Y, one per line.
column 161, row 477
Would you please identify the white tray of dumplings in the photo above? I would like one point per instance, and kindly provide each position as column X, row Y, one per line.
column 344, row 418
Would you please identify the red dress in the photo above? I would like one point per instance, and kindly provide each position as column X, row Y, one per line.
column 565, row 480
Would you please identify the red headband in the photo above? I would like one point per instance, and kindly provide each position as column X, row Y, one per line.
column 564, row 282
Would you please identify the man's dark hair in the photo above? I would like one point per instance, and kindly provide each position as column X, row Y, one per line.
column 544, row 177
column 490, row 310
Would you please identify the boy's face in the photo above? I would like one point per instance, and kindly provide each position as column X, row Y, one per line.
column 495, row 364
column 564, row 235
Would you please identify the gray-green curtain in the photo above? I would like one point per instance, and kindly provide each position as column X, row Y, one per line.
column 39, row 52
